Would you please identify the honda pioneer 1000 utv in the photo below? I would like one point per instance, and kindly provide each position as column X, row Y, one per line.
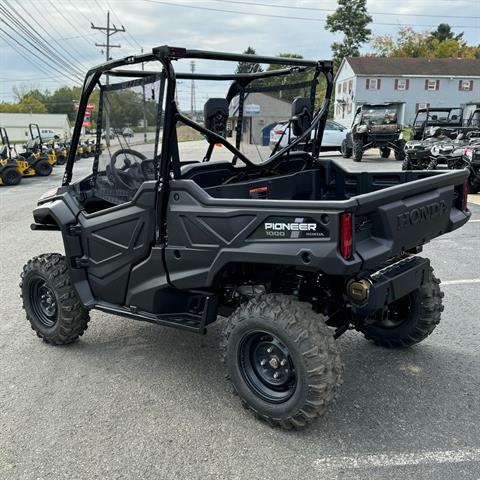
column 292, row 249
column 374, row 126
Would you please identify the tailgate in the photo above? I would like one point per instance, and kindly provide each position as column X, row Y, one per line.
column 401, row 218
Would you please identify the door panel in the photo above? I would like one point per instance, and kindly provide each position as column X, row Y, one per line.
column 115, row 240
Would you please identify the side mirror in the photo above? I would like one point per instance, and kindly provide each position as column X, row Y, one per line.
column 301, row 115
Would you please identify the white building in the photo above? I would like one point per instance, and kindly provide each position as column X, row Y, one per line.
column 17, row 124
column 412, row 83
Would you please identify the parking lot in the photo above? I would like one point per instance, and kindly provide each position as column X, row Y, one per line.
column 133, row 400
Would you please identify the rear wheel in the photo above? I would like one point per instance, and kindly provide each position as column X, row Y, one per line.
column 43, row 168
column 282, row 360
column 400, row 153
column 11, row 176
column 50, row 302
column 346, row 150
column 410, row 319
column 61, row 160
column 357, row 150
column 385, row 152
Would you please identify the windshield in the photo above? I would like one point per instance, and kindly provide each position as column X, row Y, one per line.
column 124, row 114
column 379, row 116
column 438, row 116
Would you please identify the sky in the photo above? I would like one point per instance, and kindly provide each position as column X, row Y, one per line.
column 222, row 25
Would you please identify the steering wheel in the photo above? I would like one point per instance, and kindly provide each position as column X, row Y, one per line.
column 130, row 176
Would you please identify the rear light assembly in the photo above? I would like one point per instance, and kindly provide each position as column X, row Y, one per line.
column 461, row 200
column 466, row 188
column 279, row 132
column 346, row 236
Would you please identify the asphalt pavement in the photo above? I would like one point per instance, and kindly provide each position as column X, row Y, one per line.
column 132, row 400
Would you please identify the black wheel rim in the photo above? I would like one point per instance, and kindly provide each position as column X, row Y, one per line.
column 267, row 366
column 398, row 312
column 43, row 302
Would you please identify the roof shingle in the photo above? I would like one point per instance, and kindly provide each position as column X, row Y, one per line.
column 455, row 67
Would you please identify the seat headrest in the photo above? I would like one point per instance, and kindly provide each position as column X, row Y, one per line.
column 215, row 112
column 301, row 115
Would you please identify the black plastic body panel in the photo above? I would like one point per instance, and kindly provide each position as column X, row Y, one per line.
column 393, row 213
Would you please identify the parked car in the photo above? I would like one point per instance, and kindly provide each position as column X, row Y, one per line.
column 333, row 135
column 127, row 132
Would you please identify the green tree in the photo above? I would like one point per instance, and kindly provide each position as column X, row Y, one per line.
column 444, row 32
column 409, row 43
column 27, row 104
column 351, row 18
column 246, row 67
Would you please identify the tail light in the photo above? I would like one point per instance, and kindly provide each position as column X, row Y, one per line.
column 462, row 196
column 468, row 152
column 279, row 132
column 466, row 188
column 346, row 236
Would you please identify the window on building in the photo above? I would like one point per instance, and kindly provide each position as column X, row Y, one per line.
column 344, row 87
column 402, row 83
column 349, row 107
column 350, row 86
column 432, row 85
column 373, row 83
column 418, row 106
column 465, row 85
column 339, row 88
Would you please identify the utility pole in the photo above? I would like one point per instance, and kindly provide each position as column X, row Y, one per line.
column 109, row 31
column 192, row 92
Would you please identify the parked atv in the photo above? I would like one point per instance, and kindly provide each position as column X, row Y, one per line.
column 442, row 152
column 292, row 251
column 374, row 126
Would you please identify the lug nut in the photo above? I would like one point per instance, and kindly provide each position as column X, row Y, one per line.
column 269, row 350
column 276, row 375
column 263, row 362
column 283, row 362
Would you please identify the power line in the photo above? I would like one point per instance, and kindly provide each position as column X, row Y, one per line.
column 37, row 41
column 318, row 9
column 51, row 62
column 5, row 36
column 117, row 17
column 60, row 12
column 74, row 59
column 289, row 17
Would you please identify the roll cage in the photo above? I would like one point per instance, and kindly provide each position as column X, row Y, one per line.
column 168, row 160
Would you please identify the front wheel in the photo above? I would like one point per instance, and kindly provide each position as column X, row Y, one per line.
column 50, row 302
column 11, row 176
column 345, row 150
column 282, row 360
column 406, row 164
column 410, row 319
column 357, row 150
column 400, row 153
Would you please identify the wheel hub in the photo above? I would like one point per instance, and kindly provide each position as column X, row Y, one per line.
column 43, row 302
column 267, row 367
